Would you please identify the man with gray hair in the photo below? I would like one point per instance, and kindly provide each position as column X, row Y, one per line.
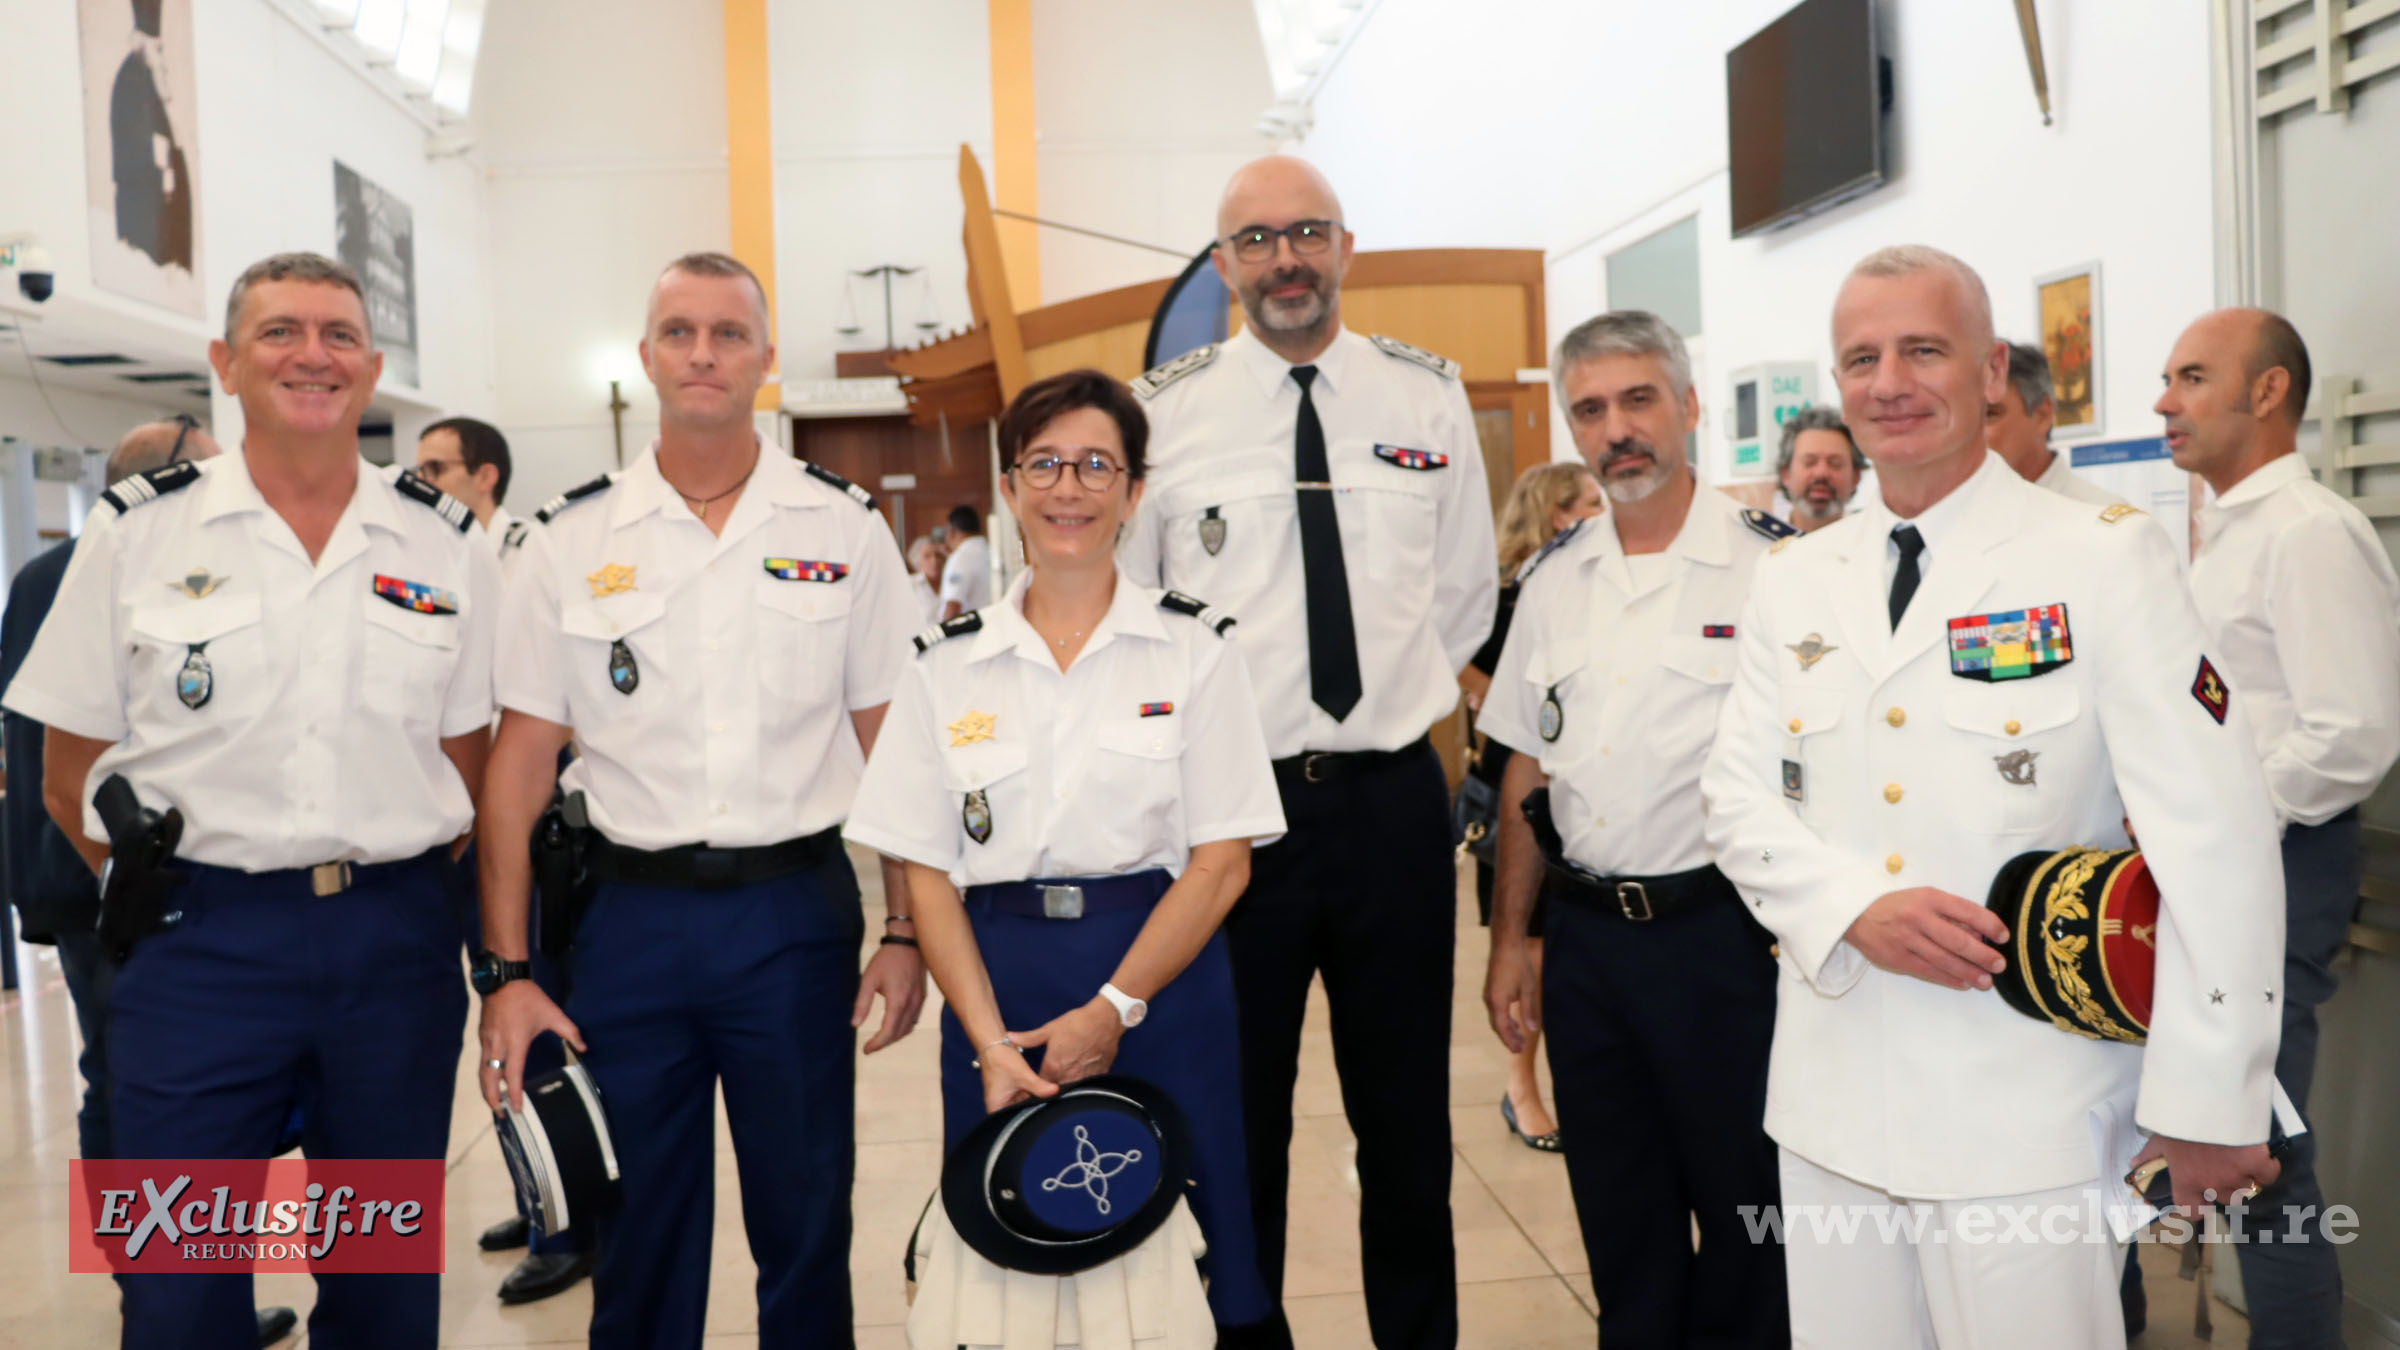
column 2017, row 427
column 1966, row 670
column 1656, row 984
column 1818, row 467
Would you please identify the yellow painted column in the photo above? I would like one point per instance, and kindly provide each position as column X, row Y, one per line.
column 750, row 156
column 1015, row 156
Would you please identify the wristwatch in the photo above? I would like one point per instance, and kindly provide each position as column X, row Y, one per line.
column 489, row 972
column 1130, row 1010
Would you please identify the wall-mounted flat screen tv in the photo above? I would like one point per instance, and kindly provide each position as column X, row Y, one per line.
column 1805, row 98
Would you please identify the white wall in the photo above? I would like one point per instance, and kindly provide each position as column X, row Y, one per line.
column 1579, row 127
column 1144, row 109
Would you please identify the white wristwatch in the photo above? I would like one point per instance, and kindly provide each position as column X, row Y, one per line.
column 1130, row 1010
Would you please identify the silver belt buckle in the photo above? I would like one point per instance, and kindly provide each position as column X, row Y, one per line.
column 1629, row 893
column 331, row 878
column 1308, row 766
column 1062, row 902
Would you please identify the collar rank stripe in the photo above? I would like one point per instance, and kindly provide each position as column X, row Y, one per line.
column 2010, row 644
column 416, row 595
column 1411, row 459
column 805, row 569
column 1157, row 709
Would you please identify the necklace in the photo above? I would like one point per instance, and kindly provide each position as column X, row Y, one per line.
column 1063, row 641
column 700, row 505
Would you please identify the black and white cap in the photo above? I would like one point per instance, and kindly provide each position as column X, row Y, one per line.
column 1061, row 1184
column 558, row 1149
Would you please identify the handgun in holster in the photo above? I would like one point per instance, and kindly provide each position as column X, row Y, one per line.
column 1554, row 848
column 561, row 883
column 136, row 888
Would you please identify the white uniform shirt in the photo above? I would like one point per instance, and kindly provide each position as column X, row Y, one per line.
column 1409, row 493
column 967, row 576
column 1639, row 667
column 320, row 739
column 1147, row 745
column 929, row 600
column 2301, row 601
column 752, row 648
column 1852, row 762
column 2061, row 478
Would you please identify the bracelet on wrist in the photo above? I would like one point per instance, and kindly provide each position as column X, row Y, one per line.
column 894, row 940
column 1005, row 1039
column 890, row 919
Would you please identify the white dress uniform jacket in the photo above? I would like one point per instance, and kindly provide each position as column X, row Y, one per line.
column 1221, row 520
column 320, row 737
column 2300, row 598
column 751, row 649
column 1638, row 673
column 1852, row 762
column 1146, row 745
column 2062, row 479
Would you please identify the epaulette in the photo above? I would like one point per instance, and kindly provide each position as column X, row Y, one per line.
column 1150, row 382
column 834, row 480
column 1216, row 621
column 514, row 535
column 969, row 622
column 2110, row 515
column 152, row 485
column 1409, row 351
column 573, row 495
column 444, row 505
column 1557, row 541
column 1765, row 526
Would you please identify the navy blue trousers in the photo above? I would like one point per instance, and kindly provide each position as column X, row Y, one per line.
column 266, row 996
column 677, row 990
column 1188, row 1047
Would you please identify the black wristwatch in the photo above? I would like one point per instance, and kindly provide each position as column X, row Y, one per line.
column 489, row 972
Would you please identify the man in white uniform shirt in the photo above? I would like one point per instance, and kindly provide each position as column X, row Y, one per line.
column 2300, row 599
column 1656, row 986
column 295, row 653
column 1326, row 489
column 2017, row 427
column 469, row 460
column 1881, row 758
column 967, row 574
column 718, row 628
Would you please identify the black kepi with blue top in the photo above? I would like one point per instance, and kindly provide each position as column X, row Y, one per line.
column 1061, row 1184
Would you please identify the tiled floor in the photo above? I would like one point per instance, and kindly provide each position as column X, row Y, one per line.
column 1522, row 1280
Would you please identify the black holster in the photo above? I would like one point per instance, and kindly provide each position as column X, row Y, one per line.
column 562, row 882
column 137, row 889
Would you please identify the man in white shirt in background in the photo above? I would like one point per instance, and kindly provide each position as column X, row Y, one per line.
column 469, row 460
column 2302, row 605
column 967, row 577
column 2017, row 428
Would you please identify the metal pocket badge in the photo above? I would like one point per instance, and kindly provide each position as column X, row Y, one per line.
column 976, row 815
column 1553, row 717
column 197, row 680
column 623, row 674
column 1212, row 531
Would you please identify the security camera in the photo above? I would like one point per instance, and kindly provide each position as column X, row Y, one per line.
column 35, row 278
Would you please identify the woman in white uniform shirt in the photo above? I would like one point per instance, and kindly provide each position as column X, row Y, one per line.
column 1075, row 776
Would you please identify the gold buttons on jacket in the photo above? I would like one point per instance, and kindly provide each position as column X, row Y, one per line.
column 1892, row 793
column 1795, row 726
column 1896, row 716
column 1894, row 863
column 2014, row 726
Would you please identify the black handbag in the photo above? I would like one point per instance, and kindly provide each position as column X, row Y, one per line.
column 1475, row 816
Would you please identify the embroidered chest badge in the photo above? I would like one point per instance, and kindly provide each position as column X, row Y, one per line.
column 2010, row 644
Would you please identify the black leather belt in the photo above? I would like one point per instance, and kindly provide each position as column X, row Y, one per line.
column 320, row 881
column 1071, row 897
column 1641, row 899
column 1332, row 766
column 709, row 869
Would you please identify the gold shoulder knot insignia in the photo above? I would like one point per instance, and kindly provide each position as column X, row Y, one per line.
column 2112, row 514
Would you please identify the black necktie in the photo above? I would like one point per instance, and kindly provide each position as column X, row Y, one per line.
column 1332, row 637
column 1904, row 581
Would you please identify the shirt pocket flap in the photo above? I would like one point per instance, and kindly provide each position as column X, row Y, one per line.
column 1149, row 738
column 968, row 767
column 618, row 616
column 2011, row 709
column 1806, row 712
column 813, row 600
column 1550, row 663
column 198, row 620
column 1708, row 660
column 1198, row 497
column 426, row 630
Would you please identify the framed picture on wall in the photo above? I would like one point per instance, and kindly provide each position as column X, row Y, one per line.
column 2069, row 305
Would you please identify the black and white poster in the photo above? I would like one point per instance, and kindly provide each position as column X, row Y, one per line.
column 372, row 233
column 141, row 149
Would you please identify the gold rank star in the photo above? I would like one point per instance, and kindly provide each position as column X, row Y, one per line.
column 975, row 726
column 611, row 579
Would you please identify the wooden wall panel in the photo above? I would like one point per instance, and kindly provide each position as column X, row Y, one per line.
column 1117, row 351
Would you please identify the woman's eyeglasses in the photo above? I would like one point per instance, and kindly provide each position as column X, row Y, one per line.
column 1095, row 471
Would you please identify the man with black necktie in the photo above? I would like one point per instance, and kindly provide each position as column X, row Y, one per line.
column 1327, row 489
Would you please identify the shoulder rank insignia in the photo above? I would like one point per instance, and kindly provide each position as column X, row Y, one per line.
column 969, row 622
column 1180, row 603
column 150, row 486
column 839, row 484
column 514, row 535
column 444, row 505
column 1766, row 526
column 1409, row 351
column 1557, row 541
column 1150, row 382
column 2111, row 514
column 573, row 495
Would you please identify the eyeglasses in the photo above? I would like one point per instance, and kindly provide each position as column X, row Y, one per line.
column 185, row 425
column 1309, row 237
column 430, row 469
column 1095, row 471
